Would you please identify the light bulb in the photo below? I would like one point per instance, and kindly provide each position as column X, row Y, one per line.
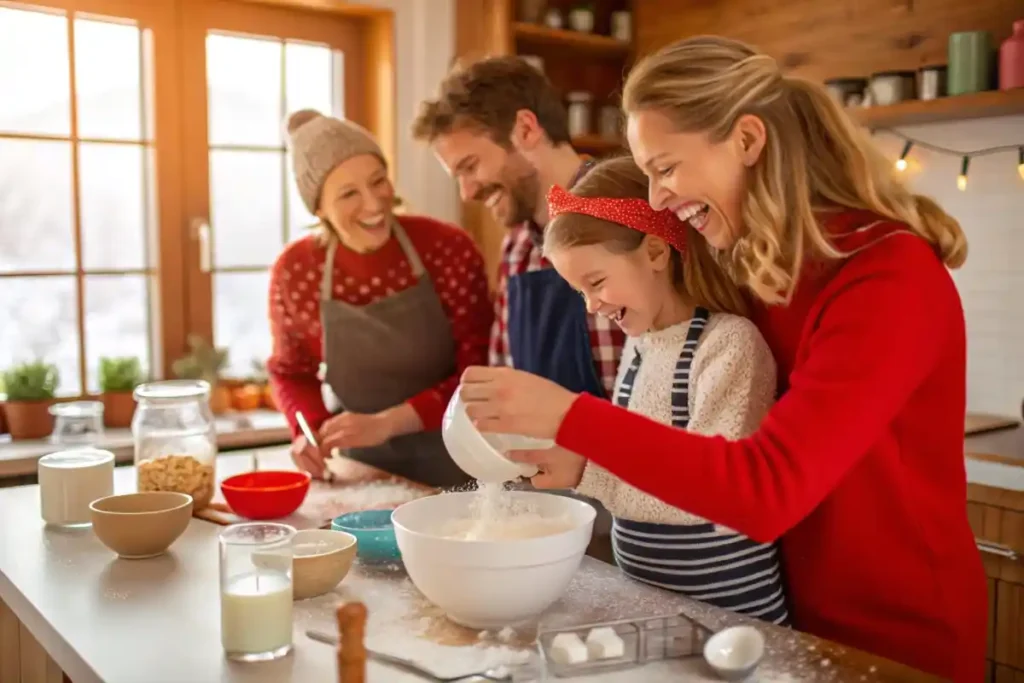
column 901, row 165
column 961, row 183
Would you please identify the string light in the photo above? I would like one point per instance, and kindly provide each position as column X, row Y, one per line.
column 901, row 163
column 965, row 157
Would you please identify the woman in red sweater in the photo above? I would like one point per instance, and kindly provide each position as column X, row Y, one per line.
column 859, row 467
column 392, row 309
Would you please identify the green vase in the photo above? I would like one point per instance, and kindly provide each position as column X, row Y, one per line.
column 970, row 62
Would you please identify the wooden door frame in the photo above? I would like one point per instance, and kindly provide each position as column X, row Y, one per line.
column 346, row 32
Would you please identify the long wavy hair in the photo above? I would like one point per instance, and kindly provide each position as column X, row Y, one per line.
column 815, row 158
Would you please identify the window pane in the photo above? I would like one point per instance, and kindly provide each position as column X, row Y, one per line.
column 116, row 320
column 246, row 207
column 240, row 320
column 113, row 217
column 243, row 78
column 107, row 80
column 36, row 94
column 299, row 218
column 308, row 82
column 46, row 312
column 35, row 205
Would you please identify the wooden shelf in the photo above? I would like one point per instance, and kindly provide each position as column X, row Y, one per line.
column 961, row 107
column 535, row 34
column 595, row 144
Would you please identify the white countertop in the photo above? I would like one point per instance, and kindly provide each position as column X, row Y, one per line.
column 234, row 430
column 105, row 620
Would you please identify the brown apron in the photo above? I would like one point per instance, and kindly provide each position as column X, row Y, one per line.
column 384, row 353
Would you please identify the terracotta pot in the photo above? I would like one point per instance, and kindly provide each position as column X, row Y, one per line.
column 246, row 397
column 118, row 409
column 268, row 398
column 3, row 420
column 220, row 399
column 29, row 419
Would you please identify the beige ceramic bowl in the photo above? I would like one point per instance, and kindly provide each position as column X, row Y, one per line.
column 141, row 525
column 321, row 559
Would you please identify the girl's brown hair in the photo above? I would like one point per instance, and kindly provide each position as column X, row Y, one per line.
column 696, row 274
column 814, row 157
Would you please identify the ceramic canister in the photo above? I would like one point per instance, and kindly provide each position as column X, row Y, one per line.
column 1011, row 59
column 970, row 62
column 69, row 481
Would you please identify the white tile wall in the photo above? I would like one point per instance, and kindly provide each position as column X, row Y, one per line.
column 991, row 212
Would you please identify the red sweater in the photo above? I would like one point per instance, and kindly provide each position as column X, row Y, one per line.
column 456, row 268
column 859, row 467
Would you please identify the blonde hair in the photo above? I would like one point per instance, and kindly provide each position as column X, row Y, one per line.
column 706, row 83
column 696, row 275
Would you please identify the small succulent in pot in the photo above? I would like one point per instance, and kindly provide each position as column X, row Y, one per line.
column 206, row 362
column 118, row 378
column 30, row 389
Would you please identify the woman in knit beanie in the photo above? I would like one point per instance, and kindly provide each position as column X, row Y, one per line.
column 386, row 312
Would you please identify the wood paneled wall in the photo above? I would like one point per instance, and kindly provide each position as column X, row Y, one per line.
column 820, row 39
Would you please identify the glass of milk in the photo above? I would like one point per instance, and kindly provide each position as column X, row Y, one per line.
column 69, row 481
column 256, row 591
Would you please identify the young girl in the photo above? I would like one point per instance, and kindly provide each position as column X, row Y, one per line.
column 688, row 362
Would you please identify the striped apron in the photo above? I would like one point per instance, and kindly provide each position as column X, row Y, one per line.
column 722, row 568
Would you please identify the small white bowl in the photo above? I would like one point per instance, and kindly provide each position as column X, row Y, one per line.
column 735, row 652
column 481, row 455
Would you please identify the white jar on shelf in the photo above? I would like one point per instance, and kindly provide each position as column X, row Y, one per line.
column 580, row 113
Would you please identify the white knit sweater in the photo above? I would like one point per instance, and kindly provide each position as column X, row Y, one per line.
column 732, row 386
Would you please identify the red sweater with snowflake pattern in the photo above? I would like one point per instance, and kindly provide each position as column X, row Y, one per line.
column 859, row 467
column 456, row 268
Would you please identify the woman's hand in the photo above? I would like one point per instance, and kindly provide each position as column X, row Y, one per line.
column 307, row 457
column 514, row 402
column 559, row 468
column 355, row 430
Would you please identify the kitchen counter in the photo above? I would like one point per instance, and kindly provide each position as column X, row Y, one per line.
column 234, row 430
column 104, row 620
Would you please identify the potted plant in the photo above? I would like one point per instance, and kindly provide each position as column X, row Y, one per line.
column 30, row 389
column 581, row 17
column 206, row 362
column 118, row 379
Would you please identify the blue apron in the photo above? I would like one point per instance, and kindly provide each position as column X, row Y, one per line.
column 547, row 328
column 548, row 331
column 727, row 570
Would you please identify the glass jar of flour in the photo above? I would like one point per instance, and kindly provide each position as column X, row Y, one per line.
column 175, row 439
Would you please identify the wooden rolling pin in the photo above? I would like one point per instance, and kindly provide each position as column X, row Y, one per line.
column 351, row 648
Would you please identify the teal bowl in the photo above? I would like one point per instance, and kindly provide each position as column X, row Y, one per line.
column 375, row 532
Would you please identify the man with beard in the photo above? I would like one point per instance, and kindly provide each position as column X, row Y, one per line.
column 500, row 129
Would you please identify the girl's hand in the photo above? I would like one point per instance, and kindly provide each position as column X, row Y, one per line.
column 514, row 402
column 559, row 468
column 307, row 457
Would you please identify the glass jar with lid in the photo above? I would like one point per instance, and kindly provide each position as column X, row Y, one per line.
column 77, row 422
column 175, row 439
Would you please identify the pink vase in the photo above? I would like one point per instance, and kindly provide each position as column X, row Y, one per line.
column 1011, row 59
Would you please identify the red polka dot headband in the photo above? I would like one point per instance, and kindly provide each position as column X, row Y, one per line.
column 633, row 213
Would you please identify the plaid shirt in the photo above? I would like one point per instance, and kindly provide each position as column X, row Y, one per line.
column 521, row 253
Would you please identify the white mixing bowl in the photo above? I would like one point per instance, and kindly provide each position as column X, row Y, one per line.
column 491, row 584
column 481, row 455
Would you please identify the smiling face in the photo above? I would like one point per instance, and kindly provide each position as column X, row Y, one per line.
column 357, row 201
column 702, row 181
column 501, row 178
column 634, row 287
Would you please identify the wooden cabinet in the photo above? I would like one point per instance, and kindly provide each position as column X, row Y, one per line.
column 997, row 518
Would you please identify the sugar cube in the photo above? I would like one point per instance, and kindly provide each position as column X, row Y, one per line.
column 567, row 648
column 604, row 643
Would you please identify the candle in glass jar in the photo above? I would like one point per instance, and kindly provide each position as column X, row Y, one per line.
column 256, row 614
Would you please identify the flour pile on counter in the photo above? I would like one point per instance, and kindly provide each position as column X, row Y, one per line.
column 497, row 516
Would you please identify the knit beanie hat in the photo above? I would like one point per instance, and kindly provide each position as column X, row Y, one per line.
column 318, row 144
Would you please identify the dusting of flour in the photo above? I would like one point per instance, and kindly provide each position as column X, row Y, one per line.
column 495, row 515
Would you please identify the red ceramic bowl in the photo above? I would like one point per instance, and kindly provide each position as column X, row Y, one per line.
column 266, row 494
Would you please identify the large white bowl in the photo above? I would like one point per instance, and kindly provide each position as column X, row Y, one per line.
column 490, row 584
column 481, row 455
